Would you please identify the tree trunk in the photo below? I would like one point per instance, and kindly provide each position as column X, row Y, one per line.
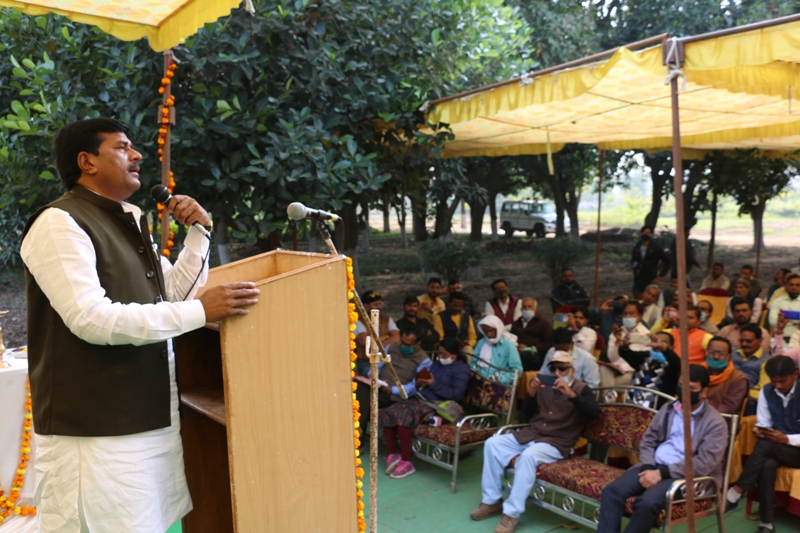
column 493, row 215
column 365, row 224
column 712, row 241
column 444, row 219
column 574, row 226
column 221, row 240
column 659, row 176
column 386, row 206
column 691, row 205
column 419, row 215
column 477, row 209
column 559, row 200
column 400, row 211
column 757, row 214
column 270, row 242
column 347, row 235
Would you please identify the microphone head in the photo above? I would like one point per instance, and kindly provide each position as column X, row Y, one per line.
column 160, row 194
column 296, row 211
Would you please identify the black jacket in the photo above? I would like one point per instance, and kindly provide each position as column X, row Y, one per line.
column 646, row 268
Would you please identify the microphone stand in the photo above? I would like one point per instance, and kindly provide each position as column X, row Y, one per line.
column 376, row 354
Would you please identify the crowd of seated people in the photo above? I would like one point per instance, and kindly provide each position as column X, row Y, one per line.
column 745, row 364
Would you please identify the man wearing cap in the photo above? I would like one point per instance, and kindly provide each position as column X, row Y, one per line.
column 557, row 414
column 387, row 329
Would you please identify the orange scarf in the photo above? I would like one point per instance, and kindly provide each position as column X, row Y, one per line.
column 716, row 379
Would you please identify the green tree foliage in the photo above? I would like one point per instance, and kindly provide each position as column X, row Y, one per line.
column 557, row 254
column 450, row 259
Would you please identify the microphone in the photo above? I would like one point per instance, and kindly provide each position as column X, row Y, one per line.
column 298, row 211
column 162, row 195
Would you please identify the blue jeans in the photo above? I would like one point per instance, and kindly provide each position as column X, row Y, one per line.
column 497, row 453
column 648, row 505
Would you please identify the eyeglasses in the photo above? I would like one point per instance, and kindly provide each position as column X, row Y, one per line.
column 559, row 368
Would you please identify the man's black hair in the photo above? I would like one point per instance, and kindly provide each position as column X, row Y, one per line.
column 791, row 276
column 80, row 136
column 451, row 345
column 755, row 329
column 565, row 269
column 710, row 306
column 410, row 329
column 635, row 303
column 748, row 267
column 456, row 296
column 495, row 282
column 646, row 226
column 699, row 374
column 561, row 336
column 410, row 299
column 739, row 301
column 435, row 280
column 581, row 309
column 717, row 338
column 780, row 366
column 718, row 264
column 452, row 282
column 671, row 340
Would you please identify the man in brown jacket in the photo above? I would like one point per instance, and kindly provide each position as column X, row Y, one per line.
column 729, row 388
column 557, row 414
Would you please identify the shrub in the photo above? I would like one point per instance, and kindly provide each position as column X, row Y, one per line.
column 450, row 259
column 557, row 254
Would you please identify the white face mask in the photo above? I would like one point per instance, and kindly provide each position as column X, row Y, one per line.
column 527, row 314
column 446, row 362
column 629, row 323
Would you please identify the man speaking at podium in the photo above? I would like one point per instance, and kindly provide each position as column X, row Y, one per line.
column 102, row 309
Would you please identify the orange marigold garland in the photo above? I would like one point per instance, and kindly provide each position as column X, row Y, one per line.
column 8, row 504
column 171, row 242
column 162, row 140
column 353, row 318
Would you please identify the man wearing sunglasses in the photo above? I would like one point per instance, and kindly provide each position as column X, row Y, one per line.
column 558, row 407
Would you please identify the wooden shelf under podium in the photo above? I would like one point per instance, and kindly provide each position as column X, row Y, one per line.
column 261, row 393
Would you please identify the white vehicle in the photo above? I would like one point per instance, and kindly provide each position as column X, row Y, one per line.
column 532, row 217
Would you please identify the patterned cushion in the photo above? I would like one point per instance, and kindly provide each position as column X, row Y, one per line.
column 678, row 511
column 487, row 395
column 580, row 475
column 619, row 425
column 446, row 434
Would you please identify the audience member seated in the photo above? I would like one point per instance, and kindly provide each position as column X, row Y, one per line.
column 628, row 342
column 652, row 312
column 746, row 273
column 661, row 456
column 698, row 339
column 504, row 305
column 429, row 303
column 778, row 343
column 778, row 431
column 472, row 310
column 583, row 336
column 429, row 337
column 668, row 320
column 742, row 316
column 496, row 349
column 610, row 312
column 777, row 289
column 661, row 368
column 448, row 381
column 387, row 331
column 553, row 430
column 586, row 368
column 750, row 358
column 729, row 388
column 790, row 302
column 716, row 279
column 670, row 296
column 649, row 262
column 706, row 310
column 568, row 291
column 407, row 359
column 455, row 323
column 533, row 334
column 741, row 291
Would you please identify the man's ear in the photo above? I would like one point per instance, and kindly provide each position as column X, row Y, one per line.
column 86, row 163
column 704, row 393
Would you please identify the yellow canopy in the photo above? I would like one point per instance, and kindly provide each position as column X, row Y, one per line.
column 741, row 91
column 165, row 23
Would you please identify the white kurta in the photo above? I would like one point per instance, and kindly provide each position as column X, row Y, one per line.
column 125, row 484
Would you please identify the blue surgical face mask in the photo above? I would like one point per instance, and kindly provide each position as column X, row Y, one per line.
column 703, row 317
column 716, row 364
column 658, row 356
column 406, row 350
column 629, row 323
column 527, row 314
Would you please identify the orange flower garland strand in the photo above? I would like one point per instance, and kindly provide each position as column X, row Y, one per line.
column 171, row 242
column 8, row 504
column 353, row 318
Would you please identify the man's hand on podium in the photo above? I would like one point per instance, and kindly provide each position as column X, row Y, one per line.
column 229, row 299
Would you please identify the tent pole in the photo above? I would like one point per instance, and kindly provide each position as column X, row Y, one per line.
column 601, row 156
column 165, row 157
column 674, row 61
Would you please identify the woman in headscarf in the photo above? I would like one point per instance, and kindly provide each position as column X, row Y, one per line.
column 496, row 349
column 448, row 381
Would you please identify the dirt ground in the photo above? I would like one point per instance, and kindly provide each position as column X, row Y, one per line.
column 524, row 277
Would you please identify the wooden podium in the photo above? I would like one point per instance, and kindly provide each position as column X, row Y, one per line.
column 267, row 423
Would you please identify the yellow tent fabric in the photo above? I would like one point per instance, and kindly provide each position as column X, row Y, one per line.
column 165, row 23
column 741, row 91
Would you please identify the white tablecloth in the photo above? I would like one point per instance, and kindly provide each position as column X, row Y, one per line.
column 12, row 403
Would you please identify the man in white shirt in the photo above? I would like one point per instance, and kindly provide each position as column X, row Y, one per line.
column 778, row 431
column 504, row 305
column 790, row 302
column 583, row 336
column 652, row 311
column 632, row 336
column 109, row 454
